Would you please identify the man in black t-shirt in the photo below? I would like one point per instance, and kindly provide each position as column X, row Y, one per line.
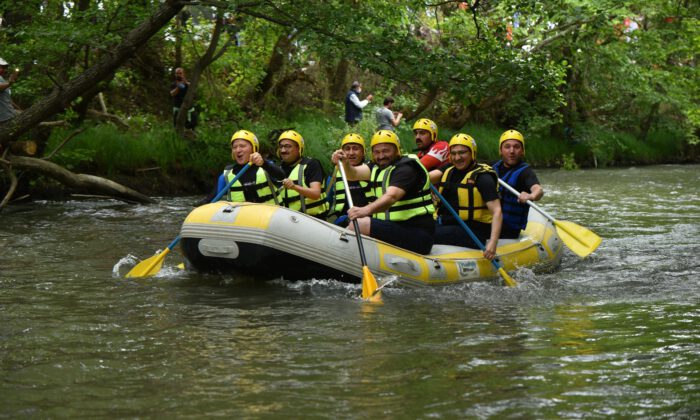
column 402, row 211
column 470, row 188
column 519, row 175
column 178, row 90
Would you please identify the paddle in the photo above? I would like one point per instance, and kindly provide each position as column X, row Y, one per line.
column 579, row 239
column 506, row 278
column 369, row 283
column 151, row 266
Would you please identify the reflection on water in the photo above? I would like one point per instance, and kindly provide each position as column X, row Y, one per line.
column 613, row 335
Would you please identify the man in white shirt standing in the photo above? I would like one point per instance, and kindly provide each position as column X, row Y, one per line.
column 353, row 104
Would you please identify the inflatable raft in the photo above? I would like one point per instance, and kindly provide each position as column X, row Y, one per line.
column 267, row 241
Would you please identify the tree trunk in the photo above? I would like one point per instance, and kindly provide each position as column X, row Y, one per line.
column 337, row 84
column 57, row 100
column 80, row 182
column 648, row 121
column 210, row 55
column 425, row 101
column 274, row 66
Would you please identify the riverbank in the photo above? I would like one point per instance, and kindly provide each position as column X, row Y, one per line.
column 152, row 160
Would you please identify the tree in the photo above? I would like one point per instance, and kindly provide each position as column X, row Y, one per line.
column 63, row 93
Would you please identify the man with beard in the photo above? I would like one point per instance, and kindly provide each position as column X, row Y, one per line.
column 402, row 212
column 431, row 152
column 519, row 175
column 302, row 188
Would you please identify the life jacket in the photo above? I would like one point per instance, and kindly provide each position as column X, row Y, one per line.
column 413, row 203
column 261, row 187
column 352, row 112
column 471, row 205
column 514, row 213
column 336, row 196
column 295, row 201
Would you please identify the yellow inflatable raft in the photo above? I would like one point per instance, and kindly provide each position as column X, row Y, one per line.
column 267, row 241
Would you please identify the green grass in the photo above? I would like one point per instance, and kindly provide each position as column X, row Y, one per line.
column 106, row 150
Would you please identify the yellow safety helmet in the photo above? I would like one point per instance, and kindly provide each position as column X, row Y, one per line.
column 295, row 137
column 511, row 135
column 247, row 136
column 385, row 136
column 462, row 139
column 426, row 124
column 354, row 139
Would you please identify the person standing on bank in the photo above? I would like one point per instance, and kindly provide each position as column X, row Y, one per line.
column 386, row 118
column 519, row 175
column 302, row 186
column 402, row 213
column 178, row 90
column 256, row 184
column 431, row 151
column 353, row 104
column 472, row 190
column 8, row 109
column 354, row 147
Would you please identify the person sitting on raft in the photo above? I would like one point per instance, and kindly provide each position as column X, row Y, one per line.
column 302, row 184
column 354, row 147
column 520, row 176
column 402, row 212
column 256, row 184
column 472, row 190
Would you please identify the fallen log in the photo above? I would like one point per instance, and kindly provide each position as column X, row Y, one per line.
column 24, row 148
column 80, row 182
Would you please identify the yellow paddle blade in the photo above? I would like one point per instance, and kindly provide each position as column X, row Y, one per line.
column 149, row 266
column 181, row 266
column 579, row 239
column 369, row 286
column 507, row 278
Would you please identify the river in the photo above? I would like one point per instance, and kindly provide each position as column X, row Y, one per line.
column 616, row 334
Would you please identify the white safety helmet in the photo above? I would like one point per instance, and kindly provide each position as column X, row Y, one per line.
column 3, row 62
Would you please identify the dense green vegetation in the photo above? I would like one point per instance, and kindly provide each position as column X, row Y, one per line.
column 590, row 83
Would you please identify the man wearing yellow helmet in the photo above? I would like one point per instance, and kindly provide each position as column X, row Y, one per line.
column 302, row 185
column 519, row 175
column 401, row 213
column 471, row 189
column 431, row 151
column 354, row 147
column 255, row 185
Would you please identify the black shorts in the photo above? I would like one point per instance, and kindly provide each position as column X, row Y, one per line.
column 508, row 233
column 457, row 236
column 416, row 239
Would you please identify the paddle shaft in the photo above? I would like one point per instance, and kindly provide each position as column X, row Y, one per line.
column 529, row 203
column 463, row 225
column 355, row 224
column 152, row 265
column 218, row 196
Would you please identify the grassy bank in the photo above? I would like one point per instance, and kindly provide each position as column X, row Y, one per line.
column 151, row 158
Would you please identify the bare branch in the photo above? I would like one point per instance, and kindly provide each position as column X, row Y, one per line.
column 13, row 182
column 63, row 143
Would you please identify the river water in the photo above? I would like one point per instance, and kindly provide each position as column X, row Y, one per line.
column 616, row 334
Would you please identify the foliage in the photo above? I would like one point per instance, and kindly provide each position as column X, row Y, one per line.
column 572, row 75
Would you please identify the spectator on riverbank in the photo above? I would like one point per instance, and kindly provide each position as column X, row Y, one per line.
column 353, row 104
column 386, row 118
column 8, row 109
column 178, row 90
